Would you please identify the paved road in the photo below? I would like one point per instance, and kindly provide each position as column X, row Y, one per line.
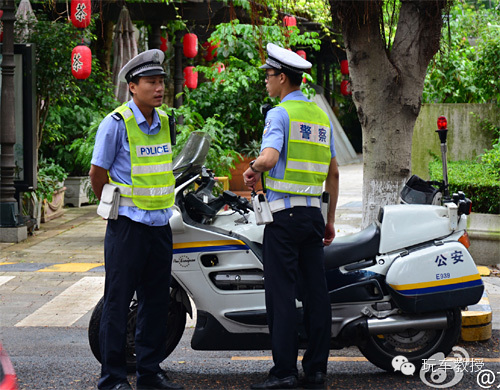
column 59, row 358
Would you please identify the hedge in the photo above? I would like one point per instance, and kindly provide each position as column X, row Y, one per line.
column 476, row 180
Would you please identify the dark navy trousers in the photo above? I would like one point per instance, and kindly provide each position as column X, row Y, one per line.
column 138, row 258
column 293, row 254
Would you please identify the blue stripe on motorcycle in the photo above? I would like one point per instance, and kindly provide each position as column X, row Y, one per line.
column 446, row 287
column 219, row 248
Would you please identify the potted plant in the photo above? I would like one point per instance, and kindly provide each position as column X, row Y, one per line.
column 50, row 189
column 249, row 152
column 78, row 187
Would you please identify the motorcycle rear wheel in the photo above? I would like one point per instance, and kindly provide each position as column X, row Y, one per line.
column 413, row 344
column 176, row 323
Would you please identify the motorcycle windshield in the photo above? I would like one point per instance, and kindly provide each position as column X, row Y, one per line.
column 192, row 157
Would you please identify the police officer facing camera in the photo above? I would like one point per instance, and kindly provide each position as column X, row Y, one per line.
column 132, row 147
column 297, row 156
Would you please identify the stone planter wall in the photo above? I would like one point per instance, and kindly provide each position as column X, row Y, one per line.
column 484, row 234
column 76, row 190
column 54, row 209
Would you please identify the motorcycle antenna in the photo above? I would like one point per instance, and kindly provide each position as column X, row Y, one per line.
column 442, row 131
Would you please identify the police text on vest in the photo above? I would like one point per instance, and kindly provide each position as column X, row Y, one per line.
column 153, row 150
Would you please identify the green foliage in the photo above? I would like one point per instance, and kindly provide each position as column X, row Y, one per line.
column 221, row 158
column 467, row 68
column 66, row 106
column 235, row 95
column 491, row 158
column 251, row 149
column 475, row 179
column 82, row 148
column 50, row 178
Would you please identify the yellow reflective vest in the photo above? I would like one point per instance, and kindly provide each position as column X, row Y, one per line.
column 308, row 153
column 153, row 182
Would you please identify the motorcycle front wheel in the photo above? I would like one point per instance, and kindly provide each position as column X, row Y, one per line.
column 415, row 345
column 176, row 323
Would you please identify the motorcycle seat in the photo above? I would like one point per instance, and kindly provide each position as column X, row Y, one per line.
column 353, row 248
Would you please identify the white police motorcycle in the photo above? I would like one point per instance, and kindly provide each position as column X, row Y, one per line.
column 396, row 287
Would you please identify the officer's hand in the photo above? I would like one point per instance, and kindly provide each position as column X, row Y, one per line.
column 329, row 234
column 251, row 178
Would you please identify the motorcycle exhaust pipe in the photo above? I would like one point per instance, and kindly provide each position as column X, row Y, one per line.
column 400, row 323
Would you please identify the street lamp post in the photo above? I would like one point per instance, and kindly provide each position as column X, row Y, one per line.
column 12, row 230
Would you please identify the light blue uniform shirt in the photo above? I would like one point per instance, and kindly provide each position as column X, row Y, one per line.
column 112, row 152
column 276, row 137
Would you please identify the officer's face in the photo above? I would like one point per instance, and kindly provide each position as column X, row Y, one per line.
column 148, row 92
column 273, row 82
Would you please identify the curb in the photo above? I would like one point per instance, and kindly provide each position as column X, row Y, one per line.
column 476, row 319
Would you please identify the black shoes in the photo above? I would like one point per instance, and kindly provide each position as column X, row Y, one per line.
column 272, row 382
column 122, row 386
column 313, row 381
column 157, row 381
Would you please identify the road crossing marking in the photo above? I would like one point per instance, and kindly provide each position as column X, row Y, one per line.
column 5, row 279
column 69, row 306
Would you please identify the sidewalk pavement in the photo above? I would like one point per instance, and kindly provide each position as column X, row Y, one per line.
column 75, row 241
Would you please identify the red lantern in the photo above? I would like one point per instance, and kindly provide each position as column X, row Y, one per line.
column 345, row 88
column 81, row 62
column 211, row 50
column 1, row 26
column 220, row 68
column 80, row 13
column 344, row 67
column 290, row 21
column 302, row 53
column 191, row 77
column 190, row 45
column 164, row 43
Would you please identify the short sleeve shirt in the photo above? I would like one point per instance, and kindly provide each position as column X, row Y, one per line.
column 112, row 152
column 276, row 136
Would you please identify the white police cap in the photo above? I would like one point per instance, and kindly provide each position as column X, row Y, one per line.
column 279, row 58
column 147, row 63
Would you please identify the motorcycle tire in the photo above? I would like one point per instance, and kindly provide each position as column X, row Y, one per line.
column 175, row 324
column 415, row 345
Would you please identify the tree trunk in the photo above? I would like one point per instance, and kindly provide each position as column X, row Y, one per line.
column 387, row 86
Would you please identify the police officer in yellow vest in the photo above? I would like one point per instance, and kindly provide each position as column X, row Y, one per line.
column 297, row 156
column 133, row 152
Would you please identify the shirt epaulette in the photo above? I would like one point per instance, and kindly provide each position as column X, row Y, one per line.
column 117, row 116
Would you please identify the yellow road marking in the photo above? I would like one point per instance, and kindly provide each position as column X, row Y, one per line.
column 483, row 271
column 70, row 267
column 330, row 359
column 342, row 359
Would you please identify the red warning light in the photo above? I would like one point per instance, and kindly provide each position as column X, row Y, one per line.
column 442, row 123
